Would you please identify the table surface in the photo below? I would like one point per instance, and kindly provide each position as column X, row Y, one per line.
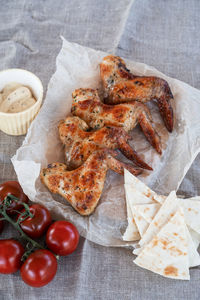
column 164, row 34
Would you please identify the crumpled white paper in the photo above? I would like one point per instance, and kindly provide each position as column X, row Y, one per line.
column 78, row 66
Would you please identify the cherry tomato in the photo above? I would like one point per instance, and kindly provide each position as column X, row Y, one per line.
column 39, row 268
column 62, row 238
column 11, row 252
column 13, row 188
column 36, row 226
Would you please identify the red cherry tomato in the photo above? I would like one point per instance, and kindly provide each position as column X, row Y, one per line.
column 39, row 268
column 36, row 226
column 11, row 252
column 13, row 188
column 62, row 238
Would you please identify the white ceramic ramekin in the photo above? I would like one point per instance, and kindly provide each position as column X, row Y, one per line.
column 18, row 123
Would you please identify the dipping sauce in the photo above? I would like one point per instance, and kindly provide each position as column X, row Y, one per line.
column 15, row 98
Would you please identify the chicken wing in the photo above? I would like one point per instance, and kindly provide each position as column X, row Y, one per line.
column 87, row 105
column 82, row 187
column 121, row 86
column 79, row 143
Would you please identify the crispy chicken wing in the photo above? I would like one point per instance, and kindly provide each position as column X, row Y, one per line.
column 121, row 85
column 82, row 187
column 79, row 143
column 87, row 105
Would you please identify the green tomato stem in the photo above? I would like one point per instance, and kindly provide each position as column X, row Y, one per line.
column 18, row 228
column 3, row 207
column 30, row 243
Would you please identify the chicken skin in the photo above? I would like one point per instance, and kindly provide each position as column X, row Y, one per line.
column 80, row 143
column 120, row 86
column 87, row 105
column 82, row 187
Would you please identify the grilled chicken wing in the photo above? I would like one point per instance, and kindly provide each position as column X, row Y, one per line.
column 79, row 143
column 82, row 187
column 87, row 105
column 121, row 85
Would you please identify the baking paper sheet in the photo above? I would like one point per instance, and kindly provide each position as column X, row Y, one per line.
column 78, row 66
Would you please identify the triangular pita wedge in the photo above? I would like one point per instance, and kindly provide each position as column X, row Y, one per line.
column 130, row 179
column 147, row 211
column 193, row 255
column 135, row 196
column 166, row 211
column 194, row 258
column 141, row 223
column 145, row 190
column 132, row 197
column 167, row 253
column 191, row 213
column 191, row 210
column 131, row 233
column 195, row 237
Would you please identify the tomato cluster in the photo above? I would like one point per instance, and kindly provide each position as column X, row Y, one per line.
column 61, row 238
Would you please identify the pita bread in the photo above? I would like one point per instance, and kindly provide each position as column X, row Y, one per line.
column 167, row 253
column 147, row 211
column 166, row 211
column 191, row 205
column 191, row 213
column 193, row 255
column 133, row 196
column 194, row 258
column 141, row 223
column 131, row 233
column 136, row 229
column 130, row 179
column 195, row 237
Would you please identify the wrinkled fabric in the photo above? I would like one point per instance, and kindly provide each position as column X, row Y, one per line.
column 164, row 34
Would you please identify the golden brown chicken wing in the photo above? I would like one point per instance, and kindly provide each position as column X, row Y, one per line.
column 79, row 143
column 82, row 187
column 87, row 105
column 121, row 86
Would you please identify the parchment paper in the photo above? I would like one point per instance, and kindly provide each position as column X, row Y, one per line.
column 77, row 67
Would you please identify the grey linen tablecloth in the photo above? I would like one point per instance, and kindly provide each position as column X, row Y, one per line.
column 165, row 34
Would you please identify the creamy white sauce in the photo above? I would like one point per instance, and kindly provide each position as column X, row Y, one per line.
column 15, row 98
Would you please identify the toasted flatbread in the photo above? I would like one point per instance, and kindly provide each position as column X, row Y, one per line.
column 133, row 181
column 192, row 218
column 131, row 233
column 140, row 222
column 195, row 237
column 166, row 211
column 191, row 213
column 149, row 214
column 167, row 253
column 147, row 211
column 132, row 197
column 194, row 258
